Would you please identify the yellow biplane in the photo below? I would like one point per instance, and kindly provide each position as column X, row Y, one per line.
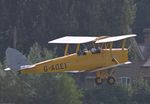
column 92, row 54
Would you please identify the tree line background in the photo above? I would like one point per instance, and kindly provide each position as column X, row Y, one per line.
column 25, row 22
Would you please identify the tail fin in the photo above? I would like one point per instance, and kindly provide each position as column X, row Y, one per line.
column 15, row 59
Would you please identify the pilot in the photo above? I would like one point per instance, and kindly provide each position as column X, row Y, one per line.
column 99, row 49
column 81, row 52
column 96, row 50
column 93, row 50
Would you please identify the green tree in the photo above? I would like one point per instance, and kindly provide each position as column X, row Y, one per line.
column 107, row 95
column 140, row 92
column 56, row 88
column 13, row 89
column 38, row 89
column 114, row 17
column 142, row 18
column 52, row 87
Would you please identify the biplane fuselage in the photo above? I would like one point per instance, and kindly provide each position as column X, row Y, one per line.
column 74, row 62
column 81, row 63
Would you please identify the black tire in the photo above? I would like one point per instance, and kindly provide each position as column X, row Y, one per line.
column 79, row 53
column 111, row 80
column 98, row 81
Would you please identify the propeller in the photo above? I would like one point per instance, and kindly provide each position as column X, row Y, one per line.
column 134, row 47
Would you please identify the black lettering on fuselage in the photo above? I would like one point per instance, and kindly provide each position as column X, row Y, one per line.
column 52, row 67
column 57, row 67
column 60, row 66
column 45, row 68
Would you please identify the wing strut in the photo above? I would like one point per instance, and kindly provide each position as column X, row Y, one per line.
column 116, row 60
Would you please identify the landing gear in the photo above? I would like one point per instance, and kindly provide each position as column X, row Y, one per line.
column 98, row 81
column 111, row 80
column 103, row 75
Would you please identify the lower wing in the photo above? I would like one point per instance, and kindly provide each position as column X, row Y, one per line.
column 99, row 69
column 108, row 67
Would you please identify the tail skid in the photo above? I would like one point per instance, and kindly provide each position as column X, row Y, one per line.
column 15, row 60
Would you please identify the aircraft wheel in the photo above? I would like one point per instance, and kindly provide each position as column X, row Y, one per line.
column 79, row 53
column 111, row 80
column 98, row 81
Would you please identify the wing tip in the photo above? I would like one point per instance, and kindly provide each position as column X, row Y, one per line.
column 7, row 69
column 128, row 62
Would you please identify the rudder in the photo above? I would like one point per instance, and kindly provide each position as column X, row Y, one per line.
column 15, row 59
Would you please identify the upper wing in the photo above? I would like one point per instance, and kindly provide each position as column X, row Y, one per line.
column 85, row 39
column 73, row 40
column 115, row 38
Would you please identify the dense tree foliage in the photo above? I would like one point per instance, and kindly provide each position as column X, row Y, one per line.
column 142, row 18
column 38, row 89
column 26, row 22
column 135, row 94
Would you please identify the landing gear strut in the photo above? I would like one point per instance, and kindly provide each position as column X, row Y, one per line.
column 111, row 80
column 103, row 75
